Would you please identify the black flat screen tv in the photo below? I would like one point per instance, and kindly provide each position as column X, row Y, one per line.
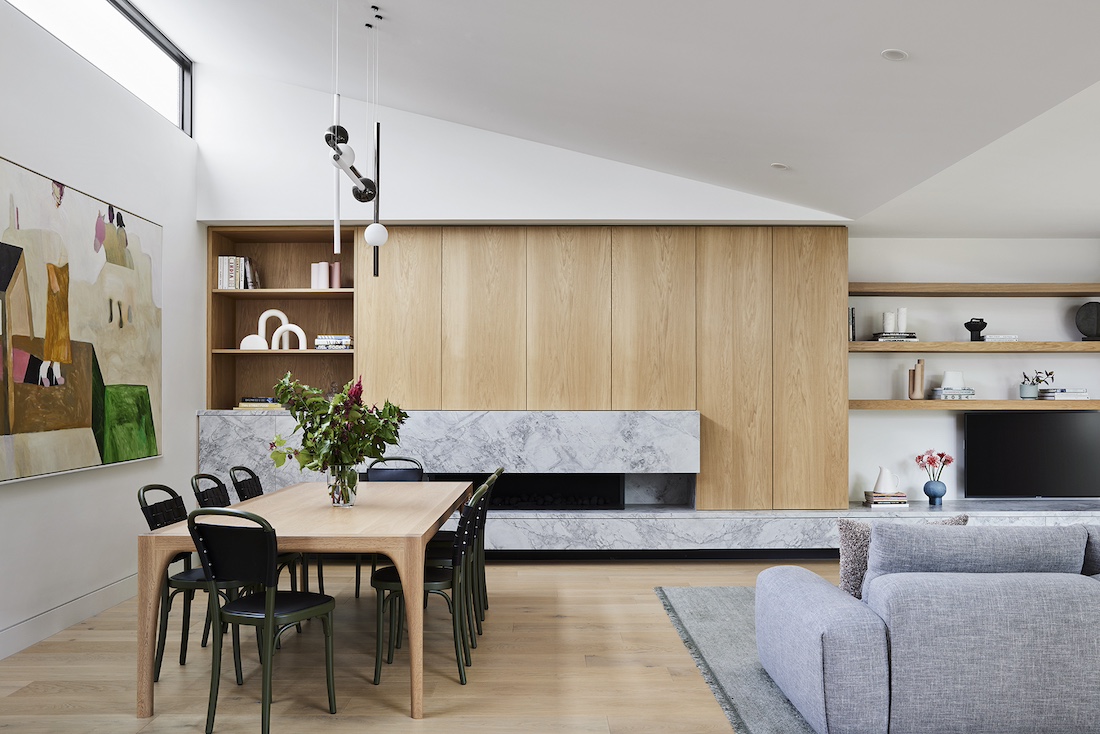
column 1032, row 454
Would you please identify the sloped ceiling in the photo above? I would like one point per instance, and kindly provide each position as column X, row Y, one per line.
column 716, row 91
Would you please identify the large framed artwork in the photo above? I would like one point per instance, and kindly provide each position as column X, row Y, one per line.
column 80, row 312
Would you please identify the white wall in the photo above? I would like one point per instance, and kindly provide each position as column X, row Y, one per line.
column 68, row 542
column 263, row 158
column 894, row 438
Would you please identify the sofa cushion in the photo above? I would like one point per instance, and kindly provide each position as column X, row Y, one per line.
column 897, row 548
column 855, row 537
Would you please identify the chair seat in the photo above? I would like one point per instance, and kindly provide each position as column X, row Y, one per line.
column 388, row 579
column 288, row 604
column 193, row 578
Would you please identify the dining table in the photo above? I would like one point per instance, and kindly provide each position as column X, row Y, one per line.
column 396, row 519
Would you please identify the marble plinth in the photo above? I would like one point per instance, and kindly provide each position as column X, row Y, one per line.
column 654, row 528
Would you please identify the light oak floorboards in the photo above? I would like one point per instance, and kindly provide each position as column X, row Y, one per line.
column 568, row 647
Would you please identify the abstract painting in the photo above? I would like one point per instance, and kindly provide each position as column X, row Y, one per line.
column 80, row 315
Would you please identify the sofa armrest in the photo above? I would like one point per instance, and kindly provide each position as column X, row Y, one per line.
column 825, row 649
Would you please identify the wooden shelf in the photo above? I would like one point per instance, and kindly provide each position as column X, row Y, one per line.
column 987, row 347
column 288, row 293
column 283, row 352
column 977, row 290
column 974, row 404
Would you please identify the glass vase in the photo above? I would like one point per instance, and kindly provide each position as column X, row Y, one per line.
column 342, row 481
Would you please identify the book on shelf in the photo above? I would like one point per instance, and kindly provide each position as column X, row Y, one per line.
column 1047, row 390
column 886, row 505
column 259, row 406
column 332, row 347
column 236, row 273
column 851, row 324
column 1001, row 338
column 877, row 334
column 1065, row 396
column 248, row 399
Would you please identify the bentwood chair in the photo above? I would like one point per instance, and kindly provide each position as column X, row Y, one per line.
column 249, row 555
column 217, row 495
column 379, row 471
column 437, row 580
column 245, row 482
column 159, row 514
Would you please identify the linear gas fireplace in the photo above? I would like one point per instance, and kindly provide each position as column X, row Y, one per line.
column 550, row 491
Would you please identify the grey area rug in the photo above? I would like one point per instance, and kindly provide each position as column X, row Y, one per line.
column 718, row 626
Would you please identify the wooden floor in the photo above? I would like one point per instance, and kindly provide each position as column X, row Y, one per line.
column 568, row 647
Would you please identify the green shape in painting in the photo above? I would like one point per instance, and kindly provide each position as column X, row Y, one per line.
column 128, row 423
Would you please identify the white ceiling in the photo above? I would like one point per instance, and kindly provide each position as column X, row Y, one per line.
column 955, row 141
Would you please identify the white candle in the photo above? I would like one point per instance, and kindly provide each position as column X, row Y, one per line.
column 889, row 321
column 902, row 313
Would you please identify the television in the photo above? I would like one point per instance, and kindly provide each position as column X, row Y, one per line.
column 1032, row 454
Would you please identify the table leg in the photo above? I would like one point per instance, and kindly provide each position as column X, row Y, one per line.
column 152, row 565
column 411, row 570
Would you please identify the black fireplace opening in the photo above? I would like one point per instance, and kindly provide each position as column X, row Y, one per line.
column 549, row 491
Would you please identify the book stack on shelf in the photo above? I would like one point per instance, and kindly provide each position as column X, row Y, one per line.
column 895, row 336
column 1001, row 338
column 1063, row 393
column 952, row 393
column 332, row 342
column 885, row 500
column 251, row 403
column 236, row 273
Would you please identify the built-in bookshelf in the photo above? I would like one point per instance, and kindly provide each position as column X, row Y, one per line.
column 281, row 257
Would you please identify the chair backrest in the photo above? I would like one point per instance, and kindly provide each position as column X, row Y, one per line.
column 245, row 482
column 378, row 472
column 162, row 512
column 244, row 554
column 464, row 533
column 215, row 496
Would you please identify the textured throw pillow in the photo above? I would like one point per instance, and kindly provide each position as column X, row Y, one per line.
column 1092, row 551
column 855, row 538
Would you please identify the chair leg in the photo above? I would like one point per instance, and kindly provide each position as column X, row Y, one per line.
column 358, row 573
column 162, row 632
column 267, row 660
column 237, row 647
column 397, row 620
column 320, row 574
column 293, row 568
column 330, row 676
column 206, row 629
column 305, row 572
column 458, row 621
column 378, row 635
column 188, row 597
column 215, row 668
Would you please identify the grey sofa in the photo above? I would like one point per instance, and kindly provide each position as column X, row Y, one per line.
column 961, row 629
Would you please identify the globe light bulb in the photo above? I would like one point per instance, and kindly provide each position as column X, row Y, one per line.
column 347, row 155
column 377, row 234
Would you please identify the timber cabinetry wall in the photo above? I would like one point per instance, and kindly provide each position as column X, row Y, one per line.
column 744, row 324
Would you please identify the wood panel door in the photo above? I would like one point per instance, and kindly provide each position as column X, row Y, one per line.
column 484, row 318
column 734, row 328
column 810, row 367
column 568, row 318
column 398, row 318
column 653, row 318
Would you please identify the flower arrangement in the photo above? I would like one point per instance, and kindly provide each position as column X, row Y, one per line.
column 933, row 463
column 1042, row 377
column 337, row 432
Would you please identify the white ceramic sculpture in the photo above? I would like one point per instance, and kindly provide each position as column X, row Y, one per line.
column 259, row 339
column 284, row 331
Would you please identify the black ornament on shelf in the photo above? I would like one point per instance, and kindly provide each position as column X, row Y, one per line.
column 975, row 326
column 1088, row 321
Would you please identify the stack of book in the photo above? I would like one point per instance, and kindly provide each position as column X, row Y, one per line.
column 952, row 393
column 1001, row 338
column 885, row 500
column 258, row 404
column 332, row 342
column 1063, row 393
column 236, row 273
column 895, row 336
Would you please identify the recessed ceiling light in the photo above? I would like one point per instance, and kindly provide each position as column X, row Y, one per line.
column 894, row 54
column 781, row 167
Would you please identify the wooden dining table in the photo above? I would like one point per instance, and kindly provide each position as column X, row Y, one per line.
column 396, row 519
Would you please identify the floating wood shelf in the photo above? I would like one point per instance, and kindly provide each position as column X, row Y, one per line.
column 287, row 293
column 974, row 404
column 284, row 352
column 1005, row 290
column 996, row 347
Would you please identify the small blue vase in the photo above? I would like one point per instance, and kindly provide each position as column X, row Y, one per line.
column 935, row 491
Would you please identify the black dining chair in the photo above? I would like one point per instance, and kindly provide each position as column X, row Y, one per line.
column 245, row 482
column 437, row 580
column 380, row 471
column 159, row 514
column 249, row 555
column 214, row 495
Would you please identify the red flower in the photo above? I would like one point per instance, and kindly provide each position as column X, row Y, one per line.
column 355, row 394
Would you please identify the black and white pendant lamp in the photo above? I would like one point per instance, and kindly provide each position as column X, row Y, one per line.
column 363, row 189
